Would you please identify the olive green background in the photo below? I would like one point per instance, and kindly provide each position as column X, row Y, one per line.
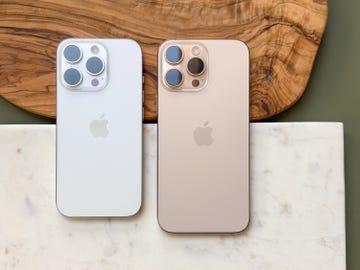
column 333, row 94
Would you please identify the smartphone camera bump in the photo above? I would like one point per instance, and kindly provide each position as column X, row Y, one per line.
column 184, row 66
column 173, row 78
column 72, row 54
column 72, row 77
column 174, row 55
column 195, row 66
column 95, row 66
column 83, row 66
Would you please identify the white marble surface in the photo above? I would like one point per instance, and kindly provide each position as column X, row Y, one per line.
column 297, row 210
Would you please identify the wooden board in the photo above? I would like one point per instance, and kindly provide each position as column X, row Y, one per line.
column 283, row 37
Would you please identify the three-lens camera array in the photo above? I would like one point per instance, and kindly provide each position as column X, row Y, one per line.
column 84, row 66
column 184, row 66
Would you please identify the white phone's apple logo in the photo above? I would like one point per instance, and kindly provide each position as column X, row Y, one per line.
column 98, row 127
column 202, row 135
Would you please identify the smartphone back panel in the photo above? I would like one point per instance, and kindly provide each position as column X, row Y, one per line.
column 203, row 144
column 99, row 132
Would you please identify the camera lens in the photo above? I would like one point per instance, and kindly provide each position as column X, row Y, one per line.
column 72, row 53
column 72, row 77
column 173, row 55
column 94, row 65
column 195, row 66
column 173, row 77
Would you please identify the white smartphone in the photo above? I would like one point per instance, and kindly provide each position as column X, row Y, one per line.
column 99, row 128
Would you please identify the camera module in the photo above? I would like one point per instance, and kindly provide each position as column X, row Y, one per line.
column 72, row 77
column 195, row 66
column 173, row 77
column 72, row 53
column 173, row 55
column 95, row 65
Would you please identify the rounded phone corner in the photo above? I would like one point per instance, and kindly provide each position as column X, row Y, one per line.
column 136, row 211
column 136, row 45
column 243, row 226
column 242, row 44
column 62, row 211
column 163, row 226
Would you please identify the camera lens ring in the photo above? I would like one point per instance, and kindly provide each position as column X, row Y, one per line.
column 173, row 78
column 72, row 54
column 195, row 66
column 95, row 65
column 173, row 55
column 72, row 77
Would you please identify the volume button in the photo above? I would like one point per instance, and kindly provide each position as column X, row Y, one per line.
column 143, row 99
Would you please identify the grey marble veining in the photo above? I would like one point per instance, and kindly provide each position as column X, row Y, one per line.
column 297, row 209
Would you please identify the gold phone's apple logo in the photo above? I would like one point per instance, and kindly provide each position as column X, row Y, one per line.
column 98, row 127
column 202, row 135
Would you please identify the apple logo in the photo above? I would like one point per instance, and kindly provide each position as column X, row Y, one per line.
column 98, row 127
column 202, row 135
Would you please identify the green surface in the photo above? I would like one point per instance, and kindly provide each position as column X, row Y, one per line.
column 10, row 114
column 333, row 94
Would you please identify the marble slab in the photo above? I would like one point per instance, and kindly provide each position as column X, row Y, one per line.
column 297, row 209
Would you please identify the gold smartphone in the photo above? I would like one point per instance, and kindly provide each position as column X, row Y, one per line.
column 203, row 136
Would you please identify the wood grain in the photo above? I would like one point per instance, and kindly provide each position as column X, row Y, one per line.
column 283, row 37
